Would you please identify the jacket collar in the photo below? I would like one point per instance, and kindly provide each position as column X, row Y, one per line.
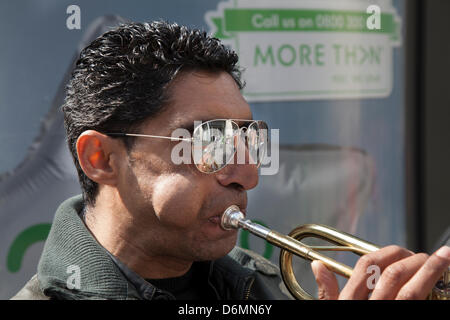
column 71, row 253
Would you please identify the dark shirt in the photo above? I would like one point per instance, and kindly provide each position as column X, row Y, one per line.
column 193, row 285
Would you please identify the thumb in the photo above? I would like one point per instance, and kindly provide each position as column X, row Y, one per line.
column 328, row 288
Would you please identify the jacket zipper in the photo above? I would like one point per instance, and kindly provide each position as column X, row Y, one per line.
column 247, row 291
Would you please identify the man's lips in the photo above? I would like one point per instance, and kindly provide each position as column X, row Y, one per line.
column 215, row 219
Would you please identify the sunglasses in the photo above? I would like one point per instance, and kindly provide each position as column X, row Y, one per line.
column 215, row 143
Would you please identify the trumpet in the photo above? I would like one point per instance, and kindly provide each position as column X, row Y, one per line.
column 233, row 218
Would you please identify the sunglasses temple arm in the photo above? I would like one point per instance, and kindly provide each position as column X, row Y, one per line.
column 148, row 136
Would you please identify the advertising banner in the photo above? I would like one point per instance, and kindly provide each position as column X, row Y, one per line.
column 301, row 50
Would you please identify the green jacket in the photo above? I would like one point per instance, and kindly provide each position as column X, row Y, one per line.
column 240, row 275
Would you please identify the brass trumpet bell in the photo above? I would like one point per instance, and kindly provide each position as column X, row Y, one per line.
column 344, row 242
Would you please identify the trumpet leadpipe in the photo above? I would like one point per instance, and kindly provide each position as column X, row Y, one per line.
column 233, row 218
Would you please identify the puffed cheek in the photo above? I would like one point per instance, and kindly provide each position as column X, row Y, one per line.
column 176, row 200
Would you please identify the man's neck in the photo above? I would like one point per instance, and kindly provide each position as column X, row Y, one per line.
column 114, row 229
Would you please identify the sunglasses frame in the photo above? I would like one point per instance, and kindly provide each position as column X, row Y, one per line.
column 251, row 122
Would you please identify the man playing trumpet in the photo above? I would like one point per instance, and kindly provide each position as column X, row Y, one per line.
column 146, row 228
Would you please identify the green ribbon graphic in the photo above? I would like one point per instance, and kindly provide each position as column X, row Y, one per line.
column 23, row 241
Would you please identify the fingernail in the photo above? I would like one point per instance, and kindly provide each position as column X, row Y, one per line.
column 444, row 252
column 314, row 265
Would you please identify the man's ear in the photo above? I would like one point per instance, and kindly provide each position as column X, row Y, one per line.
column 96, row 155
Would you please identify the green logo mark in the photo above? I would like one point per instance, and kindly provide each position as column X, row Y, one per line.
column 23, row 241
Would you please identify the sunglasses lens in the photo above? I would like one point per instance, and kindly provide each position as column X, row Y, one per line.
column 214, row 144
column 257, row 141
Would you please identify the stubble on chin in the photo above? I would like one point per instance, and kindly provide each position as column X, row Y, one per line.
column 213, row 249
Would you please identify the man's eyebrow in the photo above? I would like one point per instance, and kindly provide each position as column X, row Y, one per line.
column 245, row 123
column 190, row 126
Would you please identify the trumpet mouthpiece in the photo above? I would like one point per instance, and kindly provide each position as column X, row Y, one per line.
column 231, row 217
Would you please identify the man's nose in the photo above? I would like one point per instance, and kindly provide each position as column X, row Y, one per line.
column 244, row 175
column 241, row 171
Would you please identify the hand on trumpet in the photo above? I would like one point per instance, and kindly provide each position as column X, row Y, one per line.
column 404, row 275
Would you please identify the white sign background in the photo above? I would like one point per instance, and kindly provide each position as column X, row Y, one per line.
column 304, row 65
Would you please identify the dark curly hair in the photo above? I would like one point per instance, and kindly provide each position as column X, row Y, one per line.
column 121, row 79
